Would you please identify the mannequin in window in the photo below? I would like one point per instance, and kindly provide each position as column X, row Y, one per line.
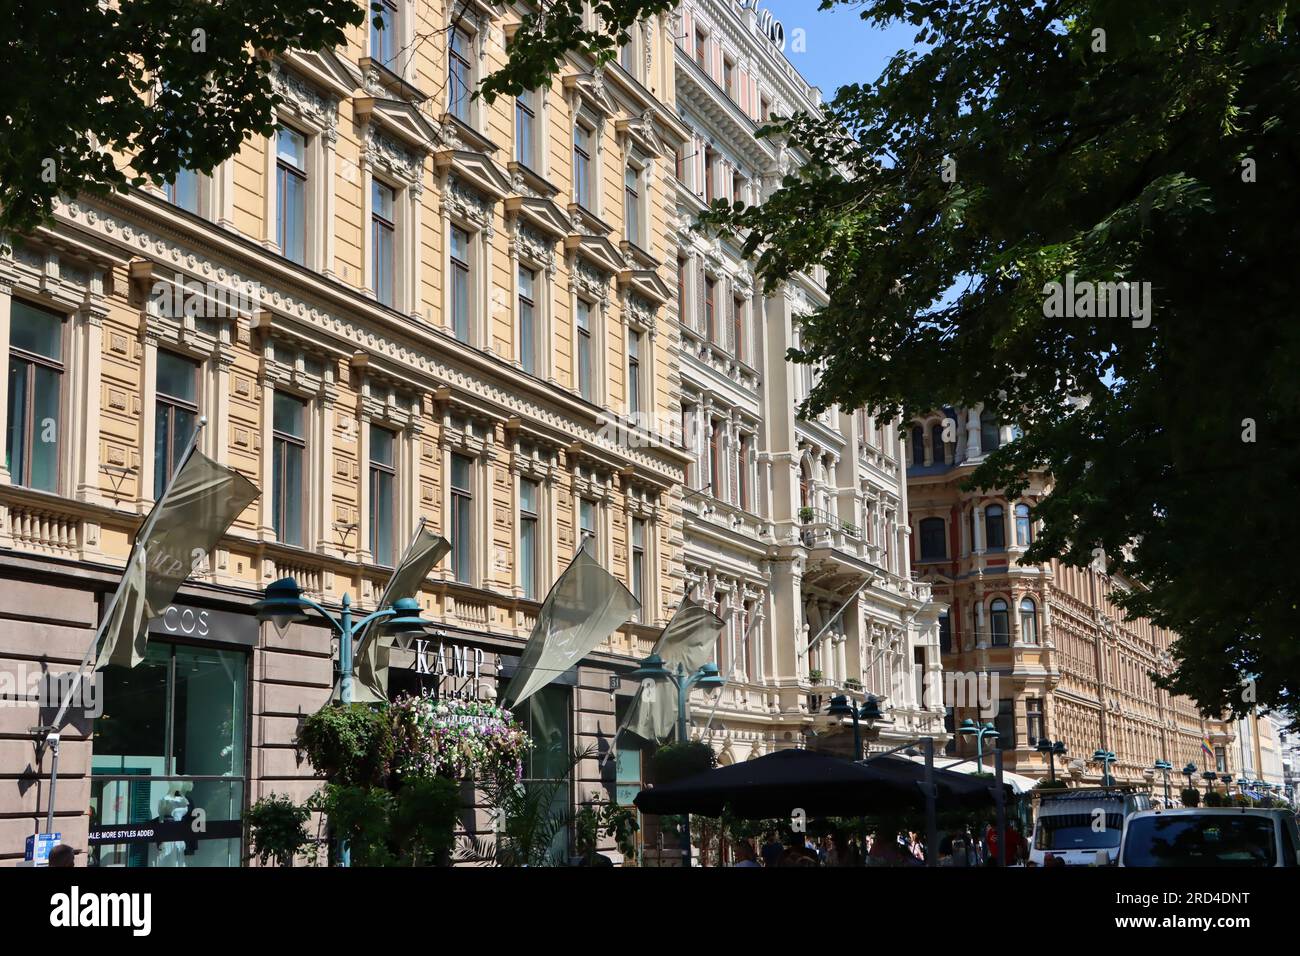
column 176, row 807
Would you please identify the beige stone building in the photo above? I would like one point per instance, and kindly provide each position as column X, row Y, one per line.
column 406, row 304
column 1039, row 650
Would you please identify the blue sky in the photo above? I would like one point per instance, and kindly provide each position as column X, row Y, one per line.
column 841, row 48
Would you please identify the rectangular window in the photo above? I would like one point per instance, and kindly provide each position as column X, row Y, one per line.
column 529, row 518
column 681, row 289
column 183, row 190
column 288, row 487
column 729, row 78
column 710, row 320
column 383, row 32
column 459, row 75
column 587, row 525
column 547, row 776
column 175, row 413
column 1006, row 725
column 291, row 194
column 742, row 473
column 460, row 283
column 632, row 204
column 527, row 320
column 381, row 237
column 582, row 166
column 383, row 495
column 638, row 565
column 35, row 396
column 633, row 372
column 716, row 462
column 702, row 50
column 461, row 525
column 738, row 325
column 1033, row 720
column 584, row 350
column 710, row 160
column 525, row 129
column 627, row 57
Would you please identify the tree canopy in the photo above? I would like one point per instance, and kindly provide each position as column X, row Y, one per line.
column 1086, row 143
column 172, row 84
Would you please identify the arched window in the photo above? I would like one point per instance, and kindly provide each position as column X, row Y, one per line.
column 995, row 528
column 918, row 446
column 933, row 543
column 1024, row 531
column 1028, row 621
column 990, row 433
column 1000, row 622
column 936, row 442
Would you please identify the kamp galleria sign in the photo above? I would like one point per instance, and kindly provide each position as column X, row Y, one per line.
column 458, row 669
column 770, row 26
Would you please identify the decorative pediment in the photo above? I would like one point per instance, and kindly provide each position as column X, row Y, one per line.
column 543, row 214
column 476, row 169
column 391, row 157
column 641, row 132
column 598, row 251
column 646, row 284
column 589, row 89
column 396, row 118
column 327, row 70
column 304, row 99
column 467, row 203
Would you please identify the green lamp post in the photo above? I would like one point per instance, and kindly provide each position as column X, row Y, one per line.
column 969, row 727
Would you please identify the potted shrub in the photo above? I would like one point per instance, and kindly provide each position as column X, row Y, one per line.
column 678, row 761
column 277, row 830
column 1214, row 799
column 806, row 515
column 1191, row 797
column 814, row 677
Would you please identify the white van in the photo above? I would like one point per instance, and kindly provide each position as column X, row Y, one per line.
column 1078, row 826
column 1211, row 836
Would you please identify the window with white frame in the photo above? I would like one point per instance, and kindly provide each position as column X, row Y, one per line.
column 383, row 495
column 638, row 569
column 460, row 525
column 36, row 365
column 291, row 194
column 383, row 241
column 583, row 170
column 527, row 307
column 289, row 469
column 530, row 519
column 526, row 141
column 385, row 35
column 588, row 528
column 176, row 413
column 635, row 385
column 585, row 349
column 185, row 190
column 460, row 74
column 633, row 204
column 461, row 283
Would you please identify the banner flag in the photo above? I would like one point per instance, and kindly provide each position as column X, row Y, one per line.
column 373, row 649
column 584, row 608
column 689, row 640
column 185, row 525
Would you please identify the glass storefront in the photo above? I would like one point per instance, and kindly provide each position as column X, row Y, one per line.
column 170, row 756
column 545, row 716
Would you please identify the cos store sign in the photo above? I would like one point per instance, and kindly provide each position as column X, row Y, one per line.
column 206, row 624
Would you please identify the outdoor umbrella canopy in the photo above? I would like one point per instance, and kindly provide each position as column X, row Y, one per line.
column 777, row 784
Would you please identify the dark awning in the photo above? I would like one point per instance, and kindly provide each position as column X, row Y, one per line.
column 775, row 785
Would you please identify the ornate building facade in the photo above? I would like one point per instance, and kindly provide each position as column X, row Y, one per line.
column 1038, row 650
column 794, row 529
column 405, row 304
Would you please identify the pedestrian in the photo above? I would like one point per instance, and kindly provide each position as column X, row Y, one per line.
column 745, row 855
column 772, row 849
column 62, row 855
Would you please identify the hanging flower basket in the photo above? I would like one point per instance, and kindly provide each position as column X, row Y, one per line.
column 456, row 738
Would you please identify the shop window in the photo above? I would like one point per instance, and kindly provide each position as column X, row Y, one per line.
column 170, row 744
column 34, row 427
column 545, row 718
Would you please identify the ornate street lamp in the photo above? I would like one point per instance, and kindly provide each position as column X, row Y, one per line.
column 1051, row 751
column 1164, row 766
column 969, row 727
